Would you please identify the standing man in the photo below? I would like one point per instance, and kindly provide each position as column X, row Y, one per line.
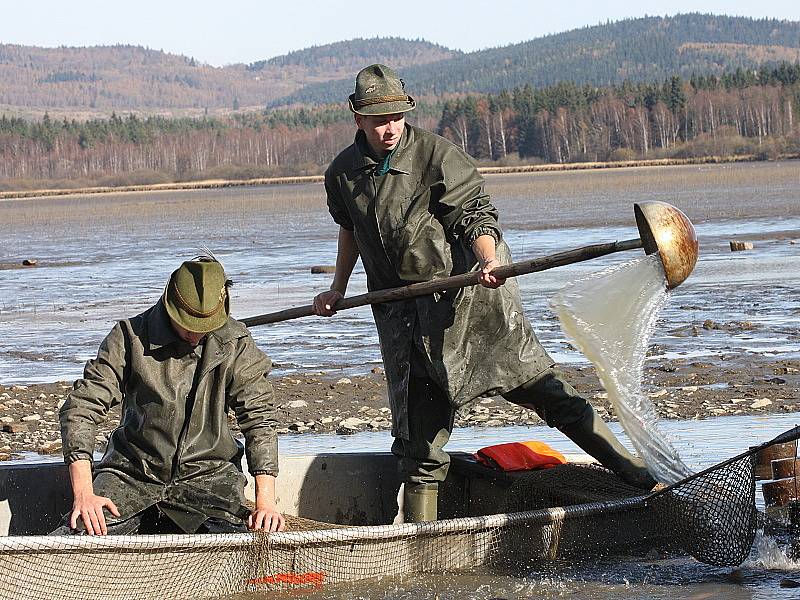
column 172, row 465
column 413, row 206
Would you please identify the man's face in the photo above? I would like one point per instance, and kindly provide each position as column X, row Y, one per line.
column 383, row 131
column 193, row 339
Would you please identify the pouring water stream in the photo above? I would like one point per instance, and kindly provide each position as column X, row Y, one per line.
column 611, row 315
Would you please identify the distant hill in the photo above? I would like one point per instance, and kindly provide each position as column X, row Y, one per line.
column 106, row 78
column 343, row 59
column 97, row 80
column 646, row 49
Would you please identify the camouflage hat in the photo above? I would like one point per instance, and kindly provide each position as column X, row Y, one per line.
column 379, row 91
column 196, row 297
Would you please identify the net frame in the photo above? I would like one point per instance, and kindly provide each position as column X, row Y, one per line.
column 713, row 515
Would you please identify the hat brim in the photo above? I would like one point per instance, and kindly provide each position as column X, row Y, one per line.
column 384, row 108
column 190, row 322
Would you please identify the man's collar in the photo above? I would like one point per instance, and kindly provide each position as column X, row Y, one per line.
column 401, row 159
column 159, row 329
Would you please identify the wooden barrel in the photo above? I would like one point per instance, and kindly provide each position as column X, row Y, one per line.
column 765, row 457
column 781, row 491
column 763, row 471
column 785, row 467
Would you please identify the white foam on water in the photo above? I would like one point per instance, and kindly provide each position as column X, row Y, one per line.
column 611, row 315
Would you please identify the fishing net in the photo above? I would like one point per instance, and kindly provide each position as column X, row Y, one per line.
column 710, row 515
column 597, row 515
column 565, row 485
column 202, row 566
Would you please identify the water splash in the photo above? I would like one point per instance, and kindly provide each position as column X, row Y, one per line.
column 611, row 316
column 770, row 554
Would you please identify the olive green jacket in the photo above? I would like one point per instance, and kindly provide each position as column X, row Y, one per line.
column 418, row 222
column 173, row 445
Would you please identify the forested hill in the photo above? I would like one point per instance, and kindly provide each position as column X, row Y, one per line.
column 342, row 59
column 125, row 77
column 646, row 49
column 91, row 82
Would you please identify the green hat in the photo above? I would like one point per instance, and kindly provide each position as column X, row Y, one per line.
column 196, row 297
column 379, row 91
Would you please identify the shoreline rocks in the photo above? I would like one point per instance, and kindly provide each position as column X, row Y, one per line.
column 331, row 403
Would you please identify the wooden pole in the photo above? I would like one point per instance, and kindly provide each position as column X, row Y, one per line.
column 425, row 288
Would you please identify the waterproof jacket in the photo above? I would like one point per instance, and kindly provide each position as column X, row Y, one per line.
column 173, row 445
column 416, row 223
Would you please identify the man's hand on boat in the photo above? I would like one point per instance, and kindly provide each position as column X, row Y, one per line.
column 89, row 508
column 266, row 519
column 265, row 515
column 86, row 504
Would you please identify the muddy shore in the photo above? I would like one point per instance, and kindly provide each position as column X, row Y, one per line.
column 215, row 184
column 319, row 403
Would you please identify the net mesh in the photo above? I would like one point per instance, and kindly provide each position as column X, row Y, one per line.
column 193, row 566
column 711, row 516
column 566, row 485
column 311, row 553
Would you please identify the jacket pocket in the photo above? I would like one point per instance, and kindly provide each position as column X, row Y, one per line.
column 423, row 250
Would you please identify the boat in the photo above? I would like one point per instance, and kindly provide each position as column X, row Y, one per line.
column 347, row 529
column 346, row 509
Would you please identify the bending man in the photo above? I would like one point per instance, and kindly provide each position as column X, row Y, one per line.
column 413, row 206
column 173, row 464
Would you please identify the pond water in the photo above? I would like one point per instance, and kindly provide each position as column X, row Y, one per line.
column 103, row 258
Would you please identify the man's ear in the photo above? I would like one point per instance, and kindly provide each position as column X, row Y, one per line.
column 357, row 118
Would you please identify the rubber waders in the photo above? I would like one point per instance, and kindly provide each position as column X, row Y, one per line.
column 420, row 502
column 595, row 438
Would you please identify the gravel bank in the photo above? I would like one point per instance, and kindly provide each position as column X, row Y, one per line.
column 319, row 403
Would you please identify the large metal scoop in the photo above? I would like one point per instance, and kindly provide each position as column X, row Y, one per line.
column 662, row 228
column 666, row 230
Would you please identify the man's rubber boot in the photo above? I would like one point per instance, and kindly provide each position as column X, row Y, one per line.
column 420, row 502
column 595, row 438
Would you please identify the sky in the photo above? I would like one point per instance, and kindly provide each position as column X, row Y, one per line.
column 221, row 33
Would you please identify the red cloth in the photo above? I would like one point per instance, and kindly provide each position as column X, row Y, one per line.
column 520, row 456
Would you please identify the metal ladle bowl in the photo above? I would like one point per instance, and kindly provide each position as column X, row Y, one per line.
column 666, row 230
